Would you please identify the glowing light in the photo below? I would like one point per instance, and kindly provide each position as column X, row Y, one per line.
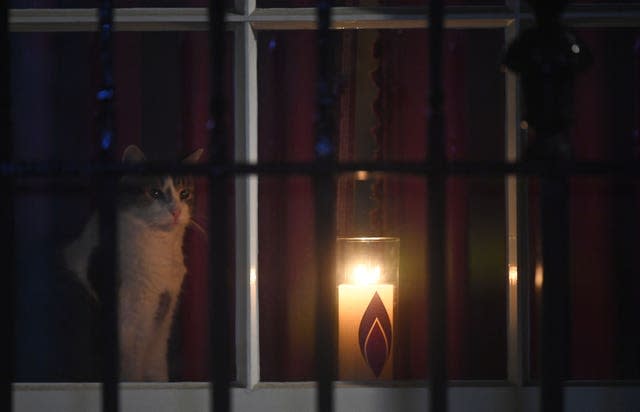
column 323, row 147
column 365, row 275
column 513, row 275
column 253, row 276
column 362, row 175
column 538, row 277
column 107, row 138
column 575, row 48
column 104, row 94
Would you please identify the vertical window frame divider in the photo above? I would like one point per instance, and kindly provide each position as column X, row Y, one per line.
column 246, row 196
column 245, row 7
column 515, row 275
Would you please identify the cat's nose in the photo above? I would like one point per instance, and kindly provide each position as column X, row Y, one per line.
column 175, row 213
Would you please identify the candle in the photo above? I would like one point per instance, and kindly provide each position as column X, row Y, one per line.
column 367, row 278
column 365, row 331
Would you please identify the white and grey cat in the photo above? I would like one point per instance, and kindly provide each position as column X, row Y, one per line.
column 152, row 216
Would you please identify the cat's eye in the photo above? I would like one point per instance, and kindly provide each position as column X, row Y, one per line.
column 155, row 193
column 184, row 194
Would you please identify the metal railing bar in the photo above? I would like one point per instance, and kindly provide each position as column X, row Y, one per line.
column 554, row 344
column 436, row 205
column 105, row 261
column 7, row 254
column 459, row 168
column 325, row 214
column 220, row 286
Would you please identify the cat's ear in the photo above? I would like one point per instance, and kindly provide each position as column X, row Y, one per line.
column 133, row 154
column 193, row 157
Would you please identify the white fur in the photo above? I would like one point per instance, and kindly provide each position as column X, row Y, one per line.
column 150, row 262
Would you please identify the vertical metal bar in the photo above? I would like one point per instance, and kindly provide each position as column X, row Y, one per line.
column 106, row 258
column 437, row 295
column 555, row 291
column 325, row 300
column 7, row 253
column 105, row 261
column 219, row 279
column 436, row 216
column 325, row 203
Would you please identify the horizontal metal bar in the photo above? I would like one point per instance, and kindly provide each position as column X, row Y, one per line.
column 195, row 18
column 78, row 170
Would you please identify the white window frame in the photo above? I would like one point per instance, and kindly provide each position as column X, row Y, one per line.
column 514, row 393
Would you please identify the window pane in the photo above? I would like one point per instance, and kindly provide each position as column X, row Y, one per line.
column 161, row 105
column 381, row 110
column 603, row 222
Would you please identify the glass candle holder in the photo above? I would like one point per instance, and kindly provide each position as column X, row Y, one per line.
column 367, row 277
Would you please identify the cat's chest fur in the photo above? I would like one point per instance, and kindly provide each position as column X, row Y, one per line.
column 150, row 271
column 148, row 259
column 151, row 259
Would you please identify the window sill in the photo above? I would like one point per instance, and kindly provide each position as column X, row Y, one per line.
column 293, row 396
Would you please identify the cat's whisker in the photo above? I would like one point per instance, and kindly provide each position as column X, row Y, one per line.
column 199, row 227
column 202, row 219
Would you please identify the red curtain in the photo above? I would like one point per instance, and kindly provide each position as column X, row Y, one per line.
column 286, row 210
column 604, row 221
column 603, row 217
column 404, row 134
column 590, row 223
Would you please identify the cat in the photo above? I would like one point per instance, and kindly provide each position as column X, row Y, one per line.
column 152, row 214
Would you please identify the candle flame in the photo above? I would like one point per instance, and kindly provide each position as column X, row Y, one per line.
column 366, row 275
column 513, row 275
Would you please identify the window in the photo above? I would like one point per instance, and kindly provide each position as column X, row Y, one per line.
column 381, row 107
column 162, row 106
column 162, row 66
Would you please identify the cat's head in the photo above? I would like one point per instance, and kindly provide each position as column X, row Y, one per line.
column 162, row 202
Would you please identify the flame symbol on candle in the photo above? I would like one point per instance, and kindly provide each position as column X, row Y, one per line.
column 375, row 335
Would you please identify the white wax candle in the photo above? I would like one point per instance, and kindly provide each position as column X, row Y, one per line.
column 353, row 303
